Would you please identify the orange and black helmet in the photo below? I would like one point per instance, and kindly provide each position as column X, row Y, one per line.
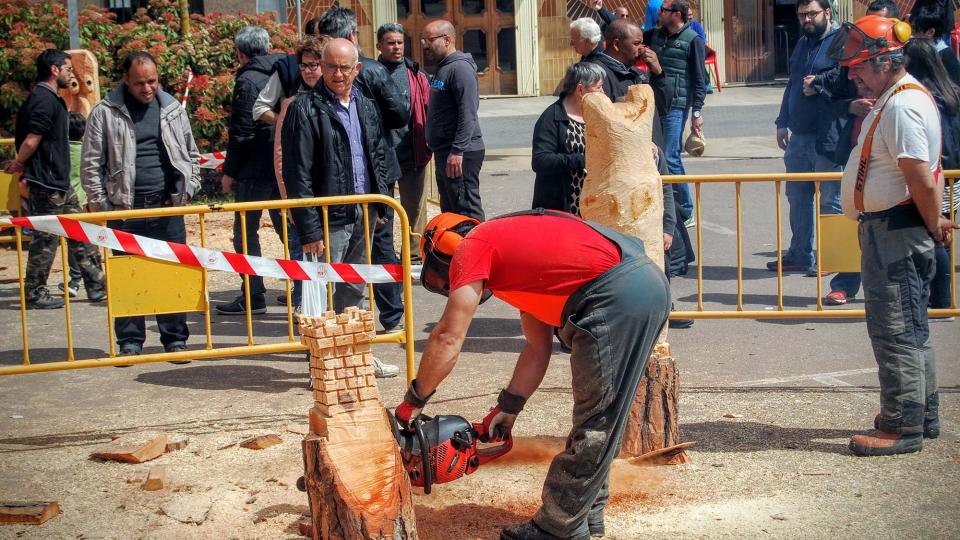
column 866, row 38
column 439, row 242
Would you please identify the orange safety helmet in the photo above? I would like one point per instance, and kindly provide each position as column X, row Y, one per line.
column 438, row 243
column 868, row 37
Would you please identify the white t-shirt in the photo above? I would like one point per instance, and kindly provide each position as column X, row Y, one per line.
column 909, row 128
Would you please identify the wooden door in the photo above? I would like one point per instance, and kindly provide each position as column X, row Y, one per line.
column 748, row 27
column 485, row 29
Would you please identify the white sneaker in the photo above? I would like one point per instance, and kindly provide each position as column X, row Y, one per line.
column 383, row 370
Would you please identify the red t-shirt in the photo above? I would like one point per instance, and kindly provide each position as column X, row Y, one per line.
column 533, row 263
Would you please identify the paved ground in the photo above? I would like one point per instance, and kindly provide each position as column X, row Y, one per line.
column 796, row 391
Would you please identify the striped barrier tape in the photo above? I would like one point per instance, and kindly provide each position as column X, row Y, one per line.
column 213, row 160
column 211, row 259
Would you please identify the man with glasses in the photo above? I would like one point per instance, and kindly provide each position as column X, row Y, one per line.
column 333, row 144
column 453, row 126
column 43, row 160
column 681, row 53
column 809, row 143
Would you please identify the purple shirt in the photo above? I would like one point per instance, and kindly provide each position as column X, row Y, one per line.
column 351, row 123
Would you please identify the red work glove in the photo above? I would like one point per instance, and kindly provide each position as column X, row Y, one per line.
column 411, row 406
column 499, row 423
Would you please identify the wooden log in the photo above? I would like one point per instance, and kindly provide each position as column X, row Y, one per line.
column 261, row 442
column 152, row 450
column 29, row 512
column 654, row 424
column 353, row 473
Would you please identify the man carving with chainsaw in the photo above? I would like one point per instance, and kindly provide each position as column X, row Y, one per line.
column 609, row 302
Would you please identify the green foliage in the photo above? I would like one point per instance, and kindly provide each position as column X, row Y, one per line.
column 28, row 28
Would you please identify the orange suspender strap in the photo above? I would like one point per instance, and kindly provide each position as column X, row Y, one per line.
column 868, row 145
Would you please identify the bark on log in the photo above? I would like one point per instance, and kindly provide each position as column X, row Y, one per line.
column 653, row 424
column 354, row 476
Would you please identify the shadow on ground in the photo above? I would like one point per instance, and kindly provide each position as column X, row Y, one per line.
column 473, row 520
column 229, row 377
column 740, row 436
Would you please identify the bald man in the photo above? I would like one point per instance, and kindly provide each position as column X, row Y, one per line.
column 453, row 127
column 333, row 144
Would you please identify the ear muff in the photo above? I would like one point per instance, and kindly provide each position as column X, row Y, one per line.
column 902, row 31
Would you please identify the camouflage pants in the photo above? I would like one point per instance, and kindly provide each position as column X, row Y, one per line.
column 898, row 265
column 44, row 246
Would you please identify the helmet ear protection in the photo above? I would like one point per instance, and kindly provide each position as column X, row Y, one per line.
column 902, row 31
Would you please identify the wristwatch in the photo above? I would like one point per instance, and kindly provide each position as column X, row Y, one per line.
column 697, row 114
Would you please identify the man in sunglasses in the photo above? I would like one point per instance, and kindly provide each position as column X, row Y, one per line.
column 892, row 185
column 609, row 302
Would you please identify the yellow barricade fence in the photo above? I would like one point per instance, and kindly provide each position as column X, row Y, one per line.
column 138, row 286
column 9, row 192
column 840, row 252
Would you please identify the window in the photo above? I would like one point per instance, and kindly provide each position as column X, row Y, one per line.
column 471, row 7
column 475, row 43
column 403, row 9
column 505, row 7
column 433, row 8
column 507, row 49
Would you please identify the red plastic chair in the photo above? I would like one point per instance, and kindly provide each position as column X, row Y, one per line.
column 711, row 60
column 955, row 39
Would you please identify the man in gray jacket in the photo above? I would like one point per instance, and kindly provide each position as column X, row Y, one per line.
column 139, row 152
column 453, row 127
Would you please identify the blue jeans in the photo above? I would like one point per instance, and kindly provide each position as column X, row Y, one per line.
column 801, row 156
column 672, row 124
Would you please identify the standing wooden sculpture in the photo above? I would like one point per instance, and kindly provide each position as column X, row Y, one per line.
column 354, row 476
column 623, row 191
column 84, row 90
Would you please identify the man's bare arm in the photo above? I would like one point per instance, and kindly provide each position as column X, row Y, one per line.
column 534, row 358
column 446, row 339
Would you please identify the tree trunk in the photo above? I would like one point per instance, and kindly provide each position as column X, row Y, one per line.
column 654, row 423
column 354, row 476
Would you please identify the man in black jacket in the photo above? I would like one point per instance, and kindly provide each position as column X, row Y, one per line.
column 248, row 169
column 333, row 144
column 376, row 83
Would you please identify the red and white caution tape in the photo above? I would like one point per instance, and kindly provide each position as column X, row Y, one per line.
column 213, row 160
column 211, row 259
column 186, row 90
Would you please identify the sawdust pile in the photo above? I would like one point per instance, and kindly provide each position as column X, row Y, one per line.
column 507, row 490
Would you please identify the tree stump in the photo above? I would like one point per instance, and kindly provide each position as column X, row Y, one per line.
column 354, row 476
column 623, row 190
column 654, row 424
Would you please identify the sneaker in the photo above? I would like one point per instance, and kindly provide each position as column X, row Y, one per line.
column 813, row 272
column 835, row 298
column 790, row 266
column 383, row 370
column 129, row 349
column 96, row 295
column 258, row 305
column 931, row 428
column 73, row 287
column 881, row 443
column 176, row 346
column 41, row 299
column 690, row 222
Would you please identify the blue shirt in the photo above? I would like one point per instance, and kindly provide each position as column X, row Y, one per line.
column 351, row 124
column 653, row 14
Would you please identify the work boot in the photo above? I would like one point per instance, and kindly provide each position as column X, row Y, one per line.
column 881, row 443
column 530, row 531
column 96, row 295
column 931, row 428
column 595, row 524
column 382, row 370
column 258, row 304
column 73, row 287
column 40, row 299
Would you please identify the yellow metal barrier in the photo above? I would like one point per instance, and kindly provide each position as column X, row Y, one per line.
column 9, row 192
column 841, row 255
column 140, row 286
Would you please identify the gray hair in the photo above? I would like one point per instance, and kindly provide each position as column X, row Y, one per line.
column 585, row 73
column 388, row 28
column 338, row 22
column 587, row 28
column 252, row 41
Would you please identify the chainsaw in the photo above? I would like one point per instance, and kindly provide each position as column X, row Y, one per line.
column 444, row 448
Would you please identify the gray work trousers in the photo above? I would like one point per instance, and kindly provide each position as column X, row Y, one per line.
column 898, row 265
column 611, row 325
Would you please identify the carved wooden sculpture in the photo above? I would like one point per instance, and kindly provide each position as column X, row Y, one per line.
column 623, row 191
column 84, row 90
column 355, row 480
